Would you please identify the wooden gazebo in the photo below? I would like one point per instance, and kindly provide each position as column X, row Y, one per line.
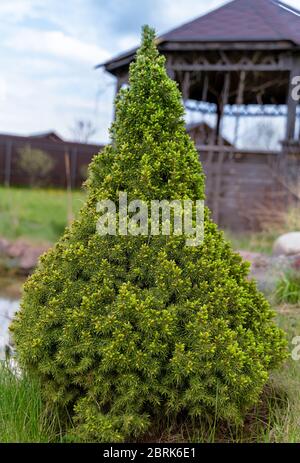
column 241, row 59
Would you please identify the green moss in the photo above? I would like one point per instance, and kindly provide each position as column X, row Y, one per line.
column 129, row 331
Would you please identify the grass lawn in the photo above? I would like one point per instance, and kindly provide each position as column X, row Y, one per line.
column 263, row 241
column 37, row 214
column 254, row 242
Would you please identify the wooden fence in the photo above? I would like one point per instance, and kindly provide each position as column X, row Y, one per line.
column 78, row 155
column 245, row 189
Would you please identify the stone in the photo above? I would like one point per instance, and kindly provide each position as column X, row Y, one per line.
column 287, row 245
column 30, row 257
column 296, row 263
column 17, row 248
column 256, row 259
column 267, row 270
column 20, row 256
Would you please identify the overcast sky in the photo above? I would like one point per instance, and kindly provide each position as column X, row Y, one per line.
column 48, row 49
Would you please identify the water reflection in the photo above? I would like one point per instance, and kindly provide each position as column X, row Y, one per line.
column 7, row 310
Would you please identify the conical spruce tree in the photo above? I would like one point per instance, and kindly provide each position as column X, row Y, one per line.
column 126, row 332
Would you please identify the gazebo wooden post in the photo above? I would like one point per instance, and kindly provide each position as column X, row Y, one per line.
column 239, row 102
column 218, row 123
column 291, row 102
column 170, row 68
column 220, row 160
column 290, row 134
column 205, row 88
column 210, row 154
column 221, row 106
column 186, row 86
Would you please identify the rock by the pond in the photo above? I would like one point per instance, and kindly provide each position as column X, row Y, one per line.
column 267, row 270
column 4, row 244
column 256, row 259
column 20, row 256
column 287, row 244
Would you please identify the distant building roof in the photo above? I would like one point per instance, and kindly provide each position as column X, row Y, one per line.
column 47, row 136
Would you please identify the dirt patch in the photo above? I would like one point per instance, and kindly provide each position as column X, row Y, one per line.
column 287, row 309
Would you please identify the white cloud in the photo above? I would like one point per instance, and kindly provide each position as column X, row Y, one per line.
column 56, row 43
column 127, row 42
column 14, row 11
column 293, row 3
column 54, row 103
column 3, row 89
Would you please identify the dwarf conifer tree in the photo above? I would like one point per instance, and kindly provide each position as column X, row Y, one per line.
column 128, row 331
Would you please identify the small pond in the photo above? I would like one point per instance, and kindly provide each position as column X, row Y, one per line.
column 8, row 308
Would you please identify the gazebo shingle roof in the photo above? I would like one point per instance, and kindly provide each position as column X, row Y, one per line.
column 236, row 21
column 242, row 20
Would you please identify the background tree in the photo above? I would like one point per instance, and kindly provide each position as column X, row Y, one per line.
column 83, row 130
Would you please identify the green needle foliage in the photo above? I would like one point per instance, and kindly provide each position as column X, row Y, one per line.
column 131, row 331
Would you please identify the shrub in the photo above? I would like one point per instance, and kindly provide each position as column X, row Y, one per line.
column 131, row 331
column 288, row 288
column 83, row 171
column 36, row 163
